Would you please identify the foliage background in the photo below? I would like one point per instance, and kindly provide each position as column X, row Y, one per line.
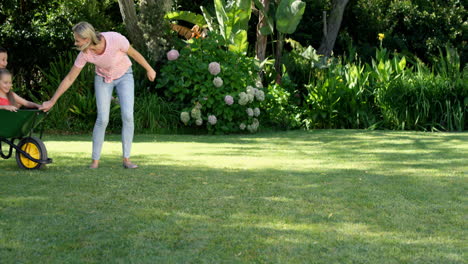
column 313, row 94
column 35, row 32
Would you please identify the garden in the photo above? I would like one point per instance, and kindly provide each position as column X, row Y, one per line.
column 287, row 131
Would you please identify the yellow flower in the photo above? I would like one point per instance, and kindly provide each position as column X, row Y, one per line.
column 381, row 36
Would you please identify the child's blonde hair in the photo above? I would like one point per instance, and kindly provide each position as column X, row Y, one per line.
column 10, row 96
column 86, row 30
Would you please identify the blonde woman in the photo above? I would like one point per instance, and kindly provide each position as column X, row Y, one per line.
column 109, row 52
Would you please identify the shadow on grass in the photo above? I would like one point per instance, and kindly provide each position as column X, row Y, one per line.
column 200, row 214
column 175, row 211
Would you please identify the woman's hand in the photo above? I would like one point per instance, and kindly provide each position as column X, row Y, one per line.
column 46, row 106
column 151, row 75
column 10, row 108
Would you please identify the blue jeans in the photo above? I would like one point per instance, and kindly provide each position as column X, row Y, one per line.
column 125, row 87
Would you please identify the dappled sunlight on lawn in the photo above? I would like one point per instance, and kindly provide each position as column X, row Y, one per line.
column 292, row 151
column 336, row 196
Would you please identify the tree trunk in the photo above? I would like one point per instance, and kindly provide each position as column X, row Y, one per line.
column 278, row 55
column 332, row 27
column 128, row 12
column 262, row 40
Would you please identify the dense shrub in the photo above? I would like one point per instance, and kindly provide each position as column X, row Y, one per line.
column 421, row 98
column 423, row 102
column 214, row 87
column 387, row 93
column 282, row 105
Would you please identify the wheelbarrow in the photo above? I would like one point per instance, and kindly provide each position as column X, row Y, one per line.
column 31, row 152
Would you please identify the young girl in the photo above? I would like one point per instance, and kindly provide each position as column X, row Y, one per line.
column 8, row 99
column 3, row 58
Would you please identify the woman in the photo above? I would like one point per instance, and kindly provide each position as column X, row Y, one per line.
column 109, row 52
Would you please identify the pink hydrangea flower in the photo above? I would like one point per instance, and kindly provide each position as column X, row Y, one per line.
column 212, row 119
column 228, row 100
column 172, row 55
column 214, row 68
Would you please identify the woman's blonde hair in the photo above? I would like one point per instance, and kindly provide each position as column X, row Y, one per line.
column 10, row 96
column 86, row 30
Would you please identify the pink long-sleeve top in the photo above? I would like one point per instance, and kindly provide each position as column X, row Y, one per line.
column 114, row 62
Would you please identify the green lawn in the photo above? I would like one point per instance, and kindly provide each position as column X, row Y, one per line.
column 324, row 196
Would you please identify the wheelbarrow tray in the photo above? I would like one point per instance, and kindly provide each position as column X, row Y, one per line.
column 31, row 152
column 19, row 124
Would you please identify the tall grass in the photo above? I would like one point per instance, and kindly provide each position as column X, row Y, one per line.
column 421, row 98
column 388, row 92
column 153, row 114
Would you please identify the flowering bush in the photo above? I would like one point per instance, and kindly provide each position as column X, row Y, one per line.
column 215, row 87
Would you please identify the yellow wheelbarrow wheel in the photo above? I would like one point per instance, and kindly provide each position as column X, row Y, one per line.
column 35, row 148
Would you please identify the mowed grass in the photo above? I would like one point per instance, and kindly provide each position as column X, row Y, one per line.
column 324, row 196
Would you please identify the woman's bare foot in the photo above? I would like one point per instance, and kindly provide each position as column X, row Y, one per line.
column 127, row 164
column 94, row 164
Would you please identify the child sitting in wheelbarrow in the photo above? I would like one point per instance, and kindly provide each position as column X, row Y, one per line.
column 8, row 99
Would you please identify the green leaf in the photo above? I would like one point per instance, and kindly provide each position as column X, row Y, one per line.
column 209, row 20
column 266, row 30
column 240, row 42
column 402, row 64
column 245, row 10
column 188, row 16
column 288, row 15
column 221, row 16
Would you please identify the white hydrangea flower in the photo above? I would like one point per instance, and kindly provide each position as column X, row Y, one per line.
column 259, row 83
column 184, row 117
column 250, row 90
column 251, row 97
column 242, row 126
column 243, row 98
column 212, row 119
column 199, row 122
column 196, row 113
column 256, row 111
column 249, row 111
column 255, row 122
column 218, row 82
column 260, row 95
column 254, row 126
